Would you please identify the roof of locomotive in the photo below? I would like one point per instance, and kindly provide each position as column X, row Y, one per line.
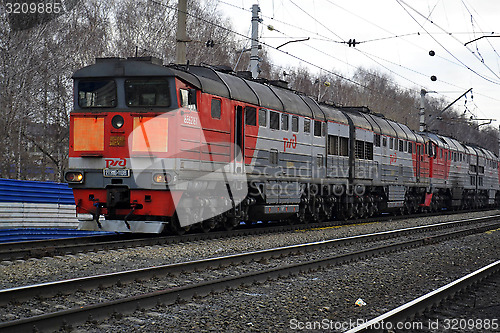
column 120, row 67
column 263, row 94
column 453, row 144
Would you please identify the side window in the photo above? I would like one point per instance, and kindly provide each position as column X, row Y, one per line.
column 364, row 150
column 307, row 125
column 273, row 156
column 391, row 143
column 376, row 140
column 360, row 149
column 274, row 120
column 401, row 145
column 295, row 124
column 317, row 128
column 344, row 146
column 250, row 116
column 384, row 141
column 333, row 145
column 216, row 108
column 188, row 98
column 284, row 122
column 319, row 160
column 263, row 117
column 368, row 150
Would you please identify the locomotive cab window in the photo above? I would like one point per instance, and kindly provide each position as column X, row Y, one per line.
column 147, row 92
column 97, row 93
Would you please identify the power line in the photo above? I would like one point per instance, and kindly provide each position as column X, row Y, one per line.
column 291, row 55
column 440, row 44
column 307, row 61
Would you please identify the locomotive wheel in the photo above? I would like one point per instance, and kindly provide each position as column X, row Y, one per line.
column 408, row 206
column 228, row 223
column 300, row 216
column 176, row 228
column 206, row 226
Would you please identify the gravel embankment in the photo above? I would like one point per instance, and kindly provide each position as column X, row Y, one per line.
column 32, row 271
column 325, row 298
column 383, row 283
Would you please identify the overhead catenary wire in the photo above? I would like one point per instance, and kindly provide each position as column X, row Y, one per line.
column 308, row 62
column 402, row 3
column 284, row 52
column 371, row 56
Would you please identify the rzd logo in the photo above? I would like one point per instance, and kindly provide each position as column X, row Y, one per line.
column 290, row 143
column 115, row 163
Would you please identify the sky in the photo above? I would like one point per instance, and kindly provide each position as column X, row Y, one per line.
column 395, row 38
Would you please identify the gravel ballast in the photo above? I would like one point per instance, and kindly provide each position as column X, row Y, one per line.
column 326, row 296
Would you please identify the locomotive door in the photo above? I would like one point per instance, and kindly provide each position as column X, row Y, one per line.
column 239, row 140
column 418, row 159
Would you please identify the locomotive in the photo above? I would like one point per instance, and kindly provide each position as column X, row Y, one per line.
column 156, row 148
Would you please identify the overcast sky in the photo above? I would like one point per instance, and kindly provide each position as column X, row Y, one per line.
column 395, row 38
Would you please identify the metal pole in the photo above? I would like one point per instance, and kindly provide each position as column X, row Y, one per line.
column 422, row 110
column 254, row 50
column 499, row 140
column 181, row 36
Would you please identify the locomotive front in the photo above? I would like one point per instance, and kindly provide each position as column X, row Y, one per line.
column 122, row 139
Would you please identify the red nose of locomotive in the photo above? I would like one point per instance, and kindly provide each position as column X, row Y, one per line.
column 118, row 127
column 110, row 157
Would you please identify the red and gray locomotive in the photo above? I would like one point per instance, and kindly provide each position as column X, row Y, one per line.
column 156, row 147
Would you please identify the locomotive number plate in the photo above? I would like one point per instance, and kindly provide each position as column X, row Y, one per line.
column 116, row 172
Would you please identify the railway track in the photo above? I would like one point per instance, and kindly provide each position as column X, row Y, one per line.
column 441, row 310
column 49, row 248
column 171, row 295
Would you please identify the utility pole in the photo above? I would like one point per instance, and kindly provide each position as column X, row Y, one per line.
column 422, row 127
column 181, row 35
column 498, row 140
column 254, row 50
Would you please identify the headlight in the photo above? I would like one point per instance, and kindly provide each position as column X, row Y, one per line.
column 117, row 121
column 164, row 178
column 74, row 177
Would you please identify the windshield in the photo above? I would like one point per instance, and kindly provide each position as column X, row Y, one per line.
column 147, row 92
column 98, row 93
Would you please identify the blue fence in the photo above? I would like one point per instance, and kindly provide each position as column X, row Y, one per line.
column 31, row 234
column 35, row 192
column 31, row 204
